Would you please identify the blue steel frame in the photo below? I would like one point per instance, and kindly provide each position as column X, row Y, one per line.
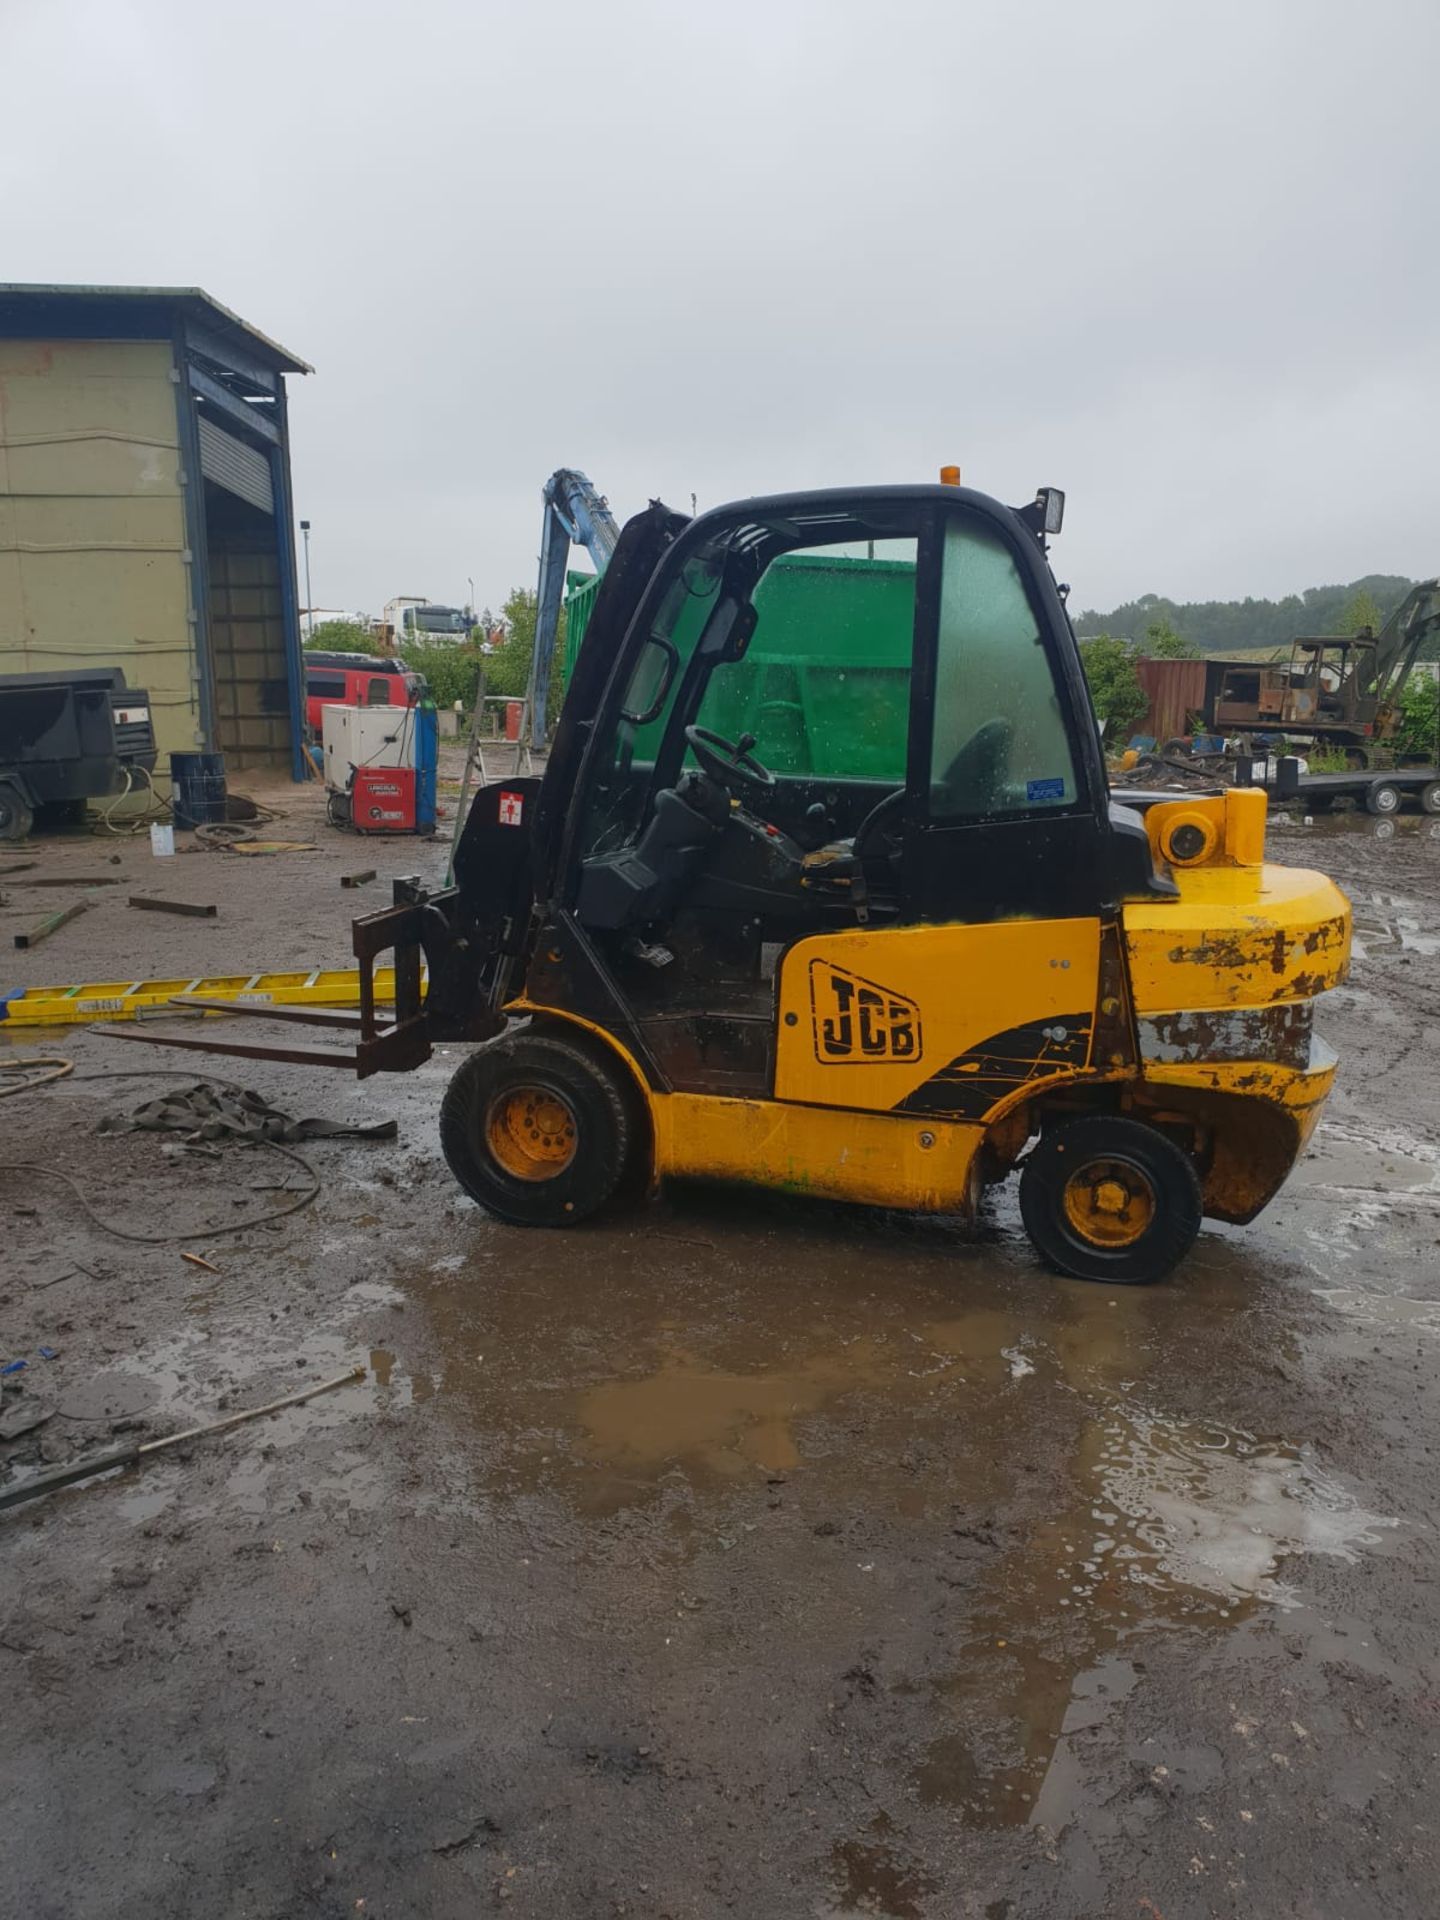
column 267, row 429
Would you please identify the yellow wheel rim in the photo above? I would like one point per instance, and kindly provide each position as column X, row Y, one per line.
column 1109, row 1203
column 531, row 1133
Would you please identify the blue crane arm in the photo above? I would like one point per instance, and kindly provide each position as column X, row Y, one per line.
column 574, row 513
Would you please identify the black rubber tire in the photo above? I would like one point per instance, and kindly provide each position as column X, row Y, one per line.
column 1382, row 798
column 1170, row 1172
column 16, row 819
column 1430, row 797
column 608, row 1119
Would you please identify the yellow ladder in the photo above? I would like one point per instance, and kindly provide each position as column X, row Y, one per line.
column 133, row 999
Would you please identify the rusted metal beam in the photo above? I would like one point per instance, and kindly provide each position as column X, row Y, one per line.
column 44, row 928
column 189, row 907
column 357, row 879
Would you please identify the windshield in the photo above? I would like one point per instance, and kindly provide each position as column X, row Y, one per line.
column 649, row 699
column 437, row 620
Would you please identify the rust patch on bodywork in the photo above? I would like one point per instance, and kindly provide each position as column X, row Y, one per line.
column 1278, row 1033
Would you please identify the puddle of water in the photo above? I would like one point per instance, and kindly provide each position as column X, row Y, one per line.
column 1204, row 1516
column 1371, row 1181
column 146, row 1499
column 620, row 1438
column 1174, row 1525
column 1383, row 1310
column 373, row 1293
column 1352, row 824
column 1390, row 923
column 190, row 1377
column 870, row 1878
column 630, row 1372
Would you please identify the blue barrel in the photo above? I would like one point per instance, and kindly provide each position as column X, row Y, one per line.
column 197, row 788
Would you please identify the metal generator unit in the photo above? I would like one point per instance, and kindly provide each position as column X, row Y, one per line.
column 66, row 738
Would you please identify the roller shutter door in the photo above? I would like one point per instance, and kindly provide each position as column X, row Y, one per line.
column 236, row 467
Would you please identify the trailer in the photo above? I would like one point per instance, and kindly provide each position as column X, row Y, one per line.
column 1381, row 792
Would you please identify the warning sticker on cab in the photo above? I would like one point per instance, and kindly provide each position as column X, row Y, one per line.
column 512, row 808
column 1052, row 789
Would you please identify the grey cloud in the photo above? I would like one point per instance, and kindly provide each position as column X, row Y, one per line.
column 1178, row 261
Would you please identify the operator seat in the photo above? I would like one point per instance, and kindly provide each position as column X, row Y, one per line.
column 974, row 781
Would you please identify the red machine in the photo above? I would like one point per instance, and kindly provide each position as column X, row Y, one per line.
column 380, row 768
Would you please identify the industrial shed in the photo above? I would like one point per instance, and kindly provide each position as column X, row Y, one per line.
column 145, row 510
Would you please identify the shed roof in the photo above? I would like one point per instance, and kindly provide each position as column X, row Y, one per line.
column 31, row 310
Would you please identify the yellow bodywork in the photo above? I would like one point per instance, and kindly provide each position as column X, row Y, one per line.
column 873, row 1158
column 912, row 1063
column 919, row 998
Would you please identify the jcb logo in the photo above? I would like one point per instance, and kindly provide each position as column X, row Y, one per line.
column 855, row 1021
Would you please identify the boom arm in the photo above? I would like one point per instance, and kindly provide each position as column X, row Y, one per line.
column 1398, row 641
column 574, row 511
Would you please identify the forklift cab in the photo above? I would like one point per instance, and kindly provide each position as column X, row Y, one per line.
column 729, row 780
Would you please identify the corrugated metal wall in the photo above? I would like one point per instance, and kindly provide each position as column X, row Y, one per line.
column 92, row 525
column 1175, row 690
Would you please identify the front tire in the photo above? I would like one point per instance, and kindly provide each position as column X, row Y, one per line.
column 16, row 818
column 541, row 1131
column 1108, row 1198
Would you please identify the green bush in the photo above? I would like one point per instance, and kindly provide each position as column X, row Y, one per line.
column 341, row 636
column 1419, row 716
column 451, row 673
column 510, row 663
column 1162, row 642
column 1120, row 700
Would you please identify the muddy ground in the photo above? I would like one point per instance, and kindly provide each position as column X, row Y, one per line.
column 735, row 1555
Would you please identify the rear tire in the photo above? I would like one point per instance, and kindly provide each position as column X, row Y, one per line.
column 542, row 1132
column 1382, row 798
column 1430, row 797
column 16, row 819
column 1108, row 1198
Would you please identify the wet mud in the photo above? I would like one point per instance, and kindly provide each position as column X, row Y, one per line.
column 735, row 1554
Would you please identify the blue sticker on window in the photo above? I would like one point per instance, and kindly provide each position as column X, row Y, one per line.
column 1045, row 789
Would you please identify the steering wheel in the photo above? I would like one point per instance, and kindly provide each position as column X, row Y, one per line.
column 731, row 762
column 882, row 822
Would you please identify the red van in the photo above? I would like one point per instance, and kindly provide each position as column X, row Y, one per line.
column 357, row 680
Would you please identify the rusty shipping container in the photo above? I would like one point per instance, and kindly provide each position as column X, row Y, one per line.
column 1176, row 692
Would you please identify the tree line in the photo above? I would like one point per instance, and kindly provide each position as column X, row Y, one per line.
column 1222, row 626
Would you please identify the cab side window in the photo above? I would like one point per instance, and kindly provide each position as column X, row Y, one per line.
column 377, row 694
column 999, row 744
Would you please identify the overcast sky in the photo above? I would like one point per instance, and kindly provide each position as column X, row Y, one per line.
column 1180, row 260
